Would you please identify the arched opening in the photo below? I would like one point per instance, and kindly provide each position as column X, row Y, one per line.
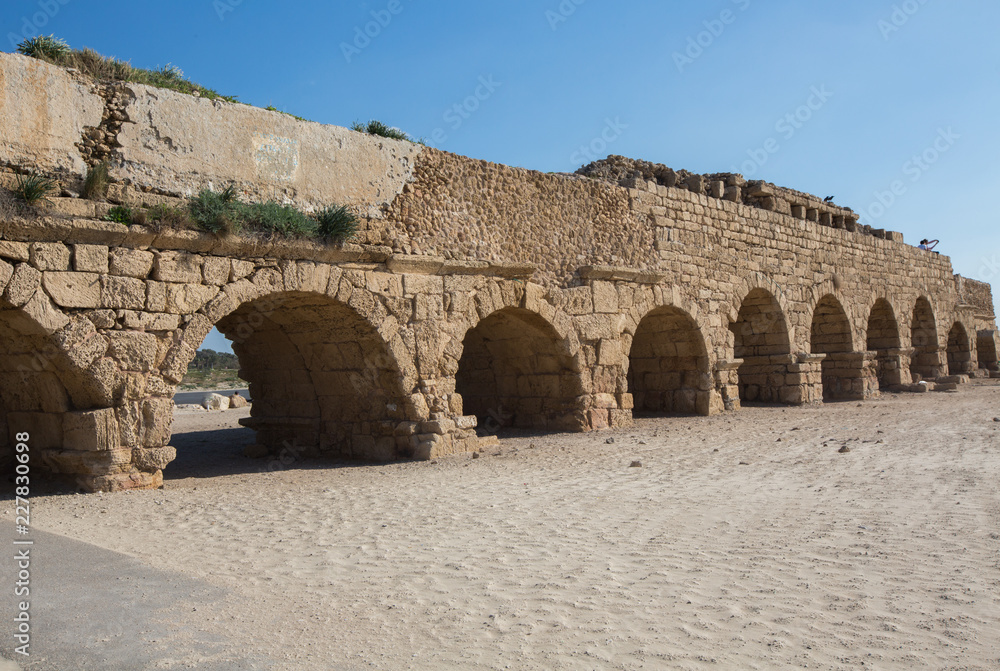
column 924, row 362
column 514, row 372
column 33, row 396
column 322, row 380
column 986, row 346
column 761, row 340
column 668, row 365
column 959, row 350
column 883, row 338
column 830, row 334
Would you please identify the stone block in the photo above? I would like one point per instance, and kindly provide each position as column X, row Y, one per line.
column 598, row 418
column 119, row 482
column 605, row 298
column 133, row 350
column 440, row 427
column 73, row 289
column 186, row 299
column 216, row 270
column 23, row 284
column 180, row 267
column 428, row 306
column 417, row 265
column 432, row 446
column 6, row 273
column 130, row 262
column 122, row 293
column 91, row 431
column 152, row 458
column 239, row 269
column 146, row 321
column 313, row 277
column 45, row 313
column 49, row 256
column 605, row 401
column 88, row 463
column 422, row 284
column 176, row 362
column 578, row 301
column 90, row 258
column 609, row 353
column 157, row 416
column 197, row 328
column 14, row 251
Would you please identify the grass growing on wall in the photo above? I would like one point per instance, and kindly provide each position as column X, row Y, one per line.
column 222, row 213
column 54, row 50
column 34, row 189
column 104, row 68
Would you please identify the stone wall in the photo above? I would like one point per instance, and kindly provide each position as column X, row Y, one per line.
column 977, row 294
column 175, row 144
column 477, row 296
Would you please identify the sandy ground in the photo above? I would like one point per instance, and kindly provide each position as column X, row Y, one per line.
column 743, row 541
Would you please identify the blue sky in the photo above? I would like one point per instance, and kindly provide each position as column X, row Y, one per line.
column 890, row 106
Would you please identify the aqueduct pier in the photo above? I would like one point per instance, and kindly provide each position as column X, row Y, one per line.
column 475, row 291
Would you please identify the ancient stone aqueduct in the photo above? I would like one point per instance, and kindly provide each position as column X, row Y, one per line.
column 475, row 290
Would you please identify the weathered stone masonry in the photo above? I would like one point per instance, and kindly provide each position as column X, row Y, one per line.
column 477, row 295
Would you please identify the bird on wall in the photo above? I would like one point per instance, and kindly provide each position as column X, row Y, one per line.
column 828, row 199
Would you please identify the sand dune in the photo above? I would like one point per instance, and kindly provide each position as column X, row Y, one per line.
column 743, row 541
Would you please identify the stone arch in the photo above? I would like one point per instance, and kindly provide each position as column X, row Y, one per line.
column 322, row 378
column 755, row 284
column 668, row 364
column 853, row 308
column 986, row 348
column 54, row 381
column 763, row 341
column 959, row 350
column 33, row 393
column 883, row 337
column 925, row 362
column 515, row 369
column 830, row 334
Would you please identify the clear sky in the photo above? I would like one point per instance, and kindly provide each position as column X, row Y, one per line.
column 891, row 106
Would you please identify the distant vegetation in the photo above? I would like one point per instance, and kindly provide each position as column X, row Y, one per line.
column 209, row 359
column 213, row 370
